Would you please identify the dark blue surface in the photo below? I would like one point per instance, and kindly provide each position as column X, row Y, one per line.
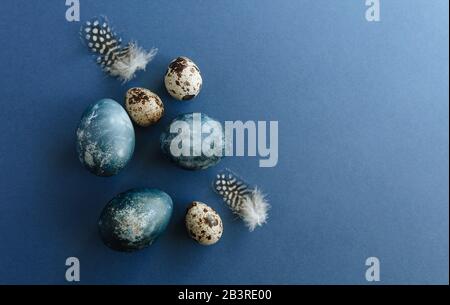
column 363, row 135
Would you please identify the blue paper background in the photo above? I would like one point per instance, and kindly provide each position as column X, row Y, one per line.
column 363, row 140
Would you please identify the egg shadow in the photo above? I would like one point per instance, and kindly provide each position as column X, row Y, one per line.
column 74, row 198
column 177, row 229
column 181, row 249
column 78, row 201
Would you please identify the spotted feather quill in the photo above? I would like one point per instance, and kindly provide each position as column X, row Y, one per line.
column 232, row 189
column 115, row 59
column 249, row 203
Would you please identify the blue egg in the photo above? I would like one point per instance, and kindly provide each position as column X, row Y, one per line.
column 193, row 141
column 134, row 219
column 105, row 138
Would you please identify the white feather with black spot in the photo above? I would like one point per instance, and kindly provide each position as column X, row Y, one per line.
column 118, row 61
column 250, row 204
column 232, row 189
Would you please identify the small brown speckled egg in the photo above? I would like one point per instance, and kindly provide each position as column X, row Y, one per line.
column 144, row 107
column 203, row 223
column 183, row 80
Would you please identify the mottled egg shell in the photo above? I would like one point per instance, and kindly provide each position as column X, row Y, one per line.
column 194, row 138
column 183, row 79
column 203, row 223
column 105, row 138
column 134, row 219
column 144, row 107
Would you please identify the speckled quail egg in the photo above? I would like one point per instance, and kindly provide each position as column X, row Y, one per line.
column 203, row 223
column 144, row 107
column 183, row 80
